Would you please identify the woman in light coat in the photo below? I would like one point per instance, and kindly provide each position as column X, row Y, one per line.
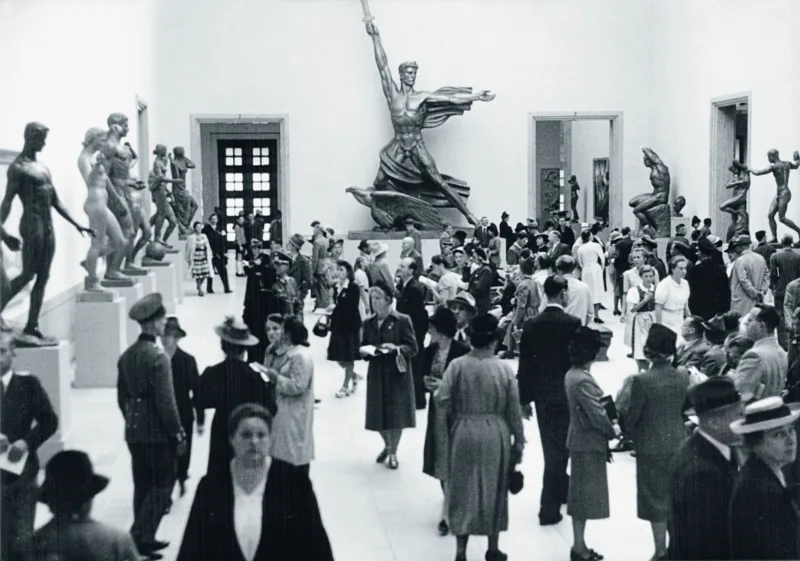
column 198, row 256
column 591, row 261
column 288, row 364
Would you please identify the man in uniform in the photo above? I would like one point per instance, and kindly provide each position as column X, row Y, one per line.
column 285, row 287
column 300, row 269
column 153, row 430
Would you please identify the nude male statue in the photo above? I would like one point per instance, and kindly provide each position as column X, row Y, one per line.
column 410, row 112
column 660, row 180
column 736, row 206
column 109, row 239
column 161, row 196
column 573, row 200
column 31, row 181
column 780, row 171
column 183, row 203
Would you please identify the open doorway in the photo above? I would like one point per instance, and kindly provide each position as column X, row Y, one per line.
column 730, row 140
column 575, row 167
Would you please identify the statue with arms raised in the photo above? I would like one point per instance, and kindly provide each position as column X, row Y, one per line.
column 780, row 171
column 406, row 166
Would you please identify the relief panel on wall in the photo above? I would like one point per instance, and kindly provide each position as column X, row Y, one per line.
column 600, row 177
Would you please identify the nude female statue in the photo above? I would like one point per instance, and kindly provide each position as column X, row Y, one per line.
column 736, row 206
column 108, row 238
column 161, row 196
column 182, row 202
column 31, row 181
column 660, row 180
column 780, row 171
column 574, row 188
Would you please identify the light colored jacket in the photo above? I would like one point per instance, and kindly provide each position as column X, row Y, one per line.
column 579, row 300
column 762, row 370
column 191, row 244
column 293, row 426
column 749, row 278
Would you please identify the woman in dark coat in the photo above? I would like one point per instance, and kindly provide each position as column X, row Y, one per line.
column 590, row 429
column 345, row 326
column 480, row 281
column 225, row 386
column 290, row 527
column 655, row 422
column 441, row 351
column 765, row 523
column 389, row 344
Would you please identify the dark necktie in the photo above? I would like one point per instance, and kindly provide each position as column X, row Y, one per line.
column 733, row 462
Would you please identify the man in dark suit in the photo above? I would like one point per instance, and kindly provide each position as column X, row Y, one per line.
column 694, row 347
column 27, row 420
column 702, row 474
column 219, row 250
column 622, row 262
column 764, row 249
column 708, row 280
column 543, row 364
column 185, row 377
column 555, row 246
column 784, row 267
column 482, row 232
column 411, row 301
column 680, row 236
column 153, row 430
column 566, row 232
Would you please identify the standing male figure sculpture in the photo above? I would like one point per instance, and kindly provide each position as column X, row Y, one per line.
column 182, row 202
column 573, row 200
column 120, row 158
column 161, row 196
column 780, row 171
column 31, row 181
column 645, row 207
column 736, row 206
column 411, row 111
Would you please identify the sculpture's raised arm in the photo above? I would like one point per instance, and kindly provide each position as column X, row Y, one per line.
column 389, row 87
column 796, row 157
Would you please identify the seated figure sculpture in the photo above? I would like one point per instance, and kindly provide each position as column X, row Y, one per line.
column 183, row 203
column 31, row 181
column 652, row 209
column 736, row 206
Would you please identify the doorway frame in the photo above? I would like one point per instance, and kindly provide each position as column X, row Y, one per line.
column 718, row 103
column 196, row 125
column 615, row 144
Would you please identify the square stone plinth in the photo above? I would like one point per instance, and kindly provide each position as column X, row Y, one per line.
column 177, row 261
column 166, row 282
column 101, row 337
column 131, row 295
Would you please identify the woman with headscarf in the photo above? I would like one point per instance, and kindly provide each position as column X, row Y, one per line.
column 441, row 351
column 479, row 395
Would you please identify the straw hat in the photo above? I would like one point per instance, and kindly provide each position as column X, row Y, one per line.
column 766, row 414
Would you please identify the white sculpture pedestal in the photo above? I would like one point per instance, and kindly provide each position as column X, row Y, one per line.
column 175, row 257
column 100, row 341
column 148, row 280
column 166, row 281
column 131, row 294
column 54, row 368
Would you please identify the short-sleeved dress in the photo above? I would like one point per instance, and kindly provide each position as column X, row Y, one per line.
column 673, row 298
column 200, row 266
column 479, row 394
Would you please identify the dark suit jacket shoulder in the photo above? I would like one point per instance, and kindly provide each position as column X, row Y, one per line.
column 291, row 524
column 412, row 303
column 543, row 360
column 700, row 490
column 764, row 518
column 185, row 377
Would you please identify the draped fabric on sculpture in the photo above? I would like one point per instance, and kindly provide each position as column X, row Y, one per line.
column 404, row 173
column 184, row 206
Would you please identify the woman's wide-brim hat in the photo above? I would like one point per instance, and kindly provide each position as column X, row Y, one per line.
column 615, row 237
column 297, row 240
column 377, row 249
column 766, row 414
column 463, row 299
column 235, row 331
column 173, row 327
column 70, row 480
column 661, row 340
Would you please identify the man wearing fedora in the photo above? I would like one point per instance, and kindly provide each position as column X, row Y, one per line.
column 69, row 488
column 762, row 370
column 300, row 269
column 153, row 430
column 708, row 281
column 702, row 474
column 185, row 377
column 27, row 420
column 749, row 276
column 714, row 360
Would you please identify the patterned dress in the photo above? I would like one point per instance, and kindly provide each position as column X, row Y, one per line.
column 200, row 266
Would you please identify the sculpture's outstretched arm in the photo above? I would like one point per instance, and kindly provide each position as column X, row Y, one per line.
column 458, row 98
column 764, row 171
column 389, row 87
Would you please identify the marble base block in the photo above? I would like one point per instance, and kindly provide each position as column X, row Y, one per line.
column 149, row 282
column 95, row 296
column 131, row 295
column 54, row 368
column 166, row 282
column 100, row 340
column 177, row 261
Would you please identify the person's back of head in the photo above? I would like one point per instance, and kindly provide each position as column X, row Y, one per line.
column 526, row 266
column 586, row 235
column 769, row 316
column 525, row 254
column 626, row 231
column 787, row 240
column 565, row 265
column 707, row 223
column 544, row 262
column 555, row 288
column 761, row 236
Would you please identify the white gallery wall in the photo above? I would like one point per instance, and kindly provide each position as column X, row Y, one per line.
column 590, row 140
column 68, row 64
column 312, row 60
column 711, row 48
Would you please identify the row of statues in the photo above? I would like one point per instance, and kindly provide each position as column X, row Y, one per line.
column 651, row 209
column 115, row 206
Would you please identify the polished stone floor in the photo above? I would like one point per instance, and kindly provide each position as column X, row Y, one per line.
column 370, row 512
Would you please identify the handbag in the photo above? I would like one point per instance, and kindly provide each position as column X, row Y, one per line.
column 401, row 362
column 322, row 327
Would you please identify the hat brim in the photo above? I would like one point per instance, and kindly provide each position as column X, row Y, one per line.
column 741, row 427
column 251, row 340
column 462, row 302
column 49, row 495
column 175, row 331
